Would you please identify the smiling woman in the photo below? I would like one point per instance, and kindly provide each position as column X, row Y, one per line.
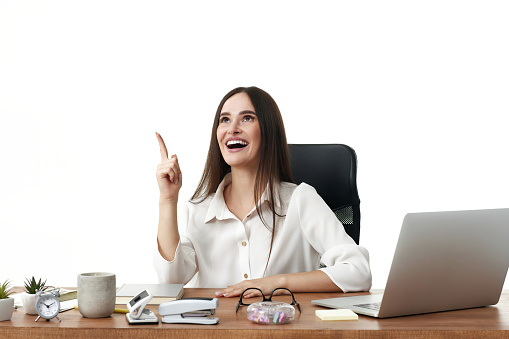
column 247, row 224
column 238, row 133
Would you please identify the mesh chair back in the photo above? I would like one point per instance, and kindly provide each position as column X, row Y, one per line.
column 332, row 170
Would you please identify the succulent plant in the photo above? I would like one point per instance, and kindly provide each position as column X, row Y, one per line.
column 5, row 289
column 32, row 286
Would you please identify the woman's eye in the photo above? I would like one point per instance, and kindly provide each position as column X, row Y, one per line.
column 248, row 118
column 224, row 119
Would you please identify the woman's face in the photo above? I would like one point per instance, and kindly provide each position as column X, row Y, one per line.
column 238, row 133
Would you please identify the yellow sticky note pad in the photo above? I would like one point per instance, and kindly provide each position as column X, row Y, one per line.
column 336, row 314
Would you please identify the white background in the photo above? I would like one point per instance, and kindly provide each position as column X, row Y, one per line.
column 418, row 88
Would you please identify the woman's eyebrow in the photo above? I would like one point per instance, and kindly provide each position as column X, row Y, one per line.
column 247, row 112
column 240, row 113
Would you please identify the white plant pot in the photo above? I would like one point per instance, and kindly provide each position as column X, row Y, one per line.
column 6, row 308
column 29, row 303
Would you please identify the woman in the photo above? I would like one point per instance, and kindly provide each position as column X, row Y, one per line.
column 228, row 238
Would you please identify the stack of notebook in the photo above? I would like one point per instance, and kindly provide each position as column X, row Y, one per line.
column 161, row 292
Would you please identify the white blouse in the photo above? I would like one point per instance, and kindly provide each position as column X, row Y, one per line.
column 223, row 250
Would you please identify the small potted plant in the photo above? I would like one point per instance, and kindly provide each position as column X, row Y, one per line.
column 32, row 286
column 6, row 302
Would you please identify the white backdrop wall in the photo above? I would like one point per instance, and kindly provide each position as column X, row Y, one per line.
column 418, row 88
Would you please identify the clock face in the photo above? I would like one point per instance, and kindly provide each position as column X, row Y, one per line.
column 47, row 306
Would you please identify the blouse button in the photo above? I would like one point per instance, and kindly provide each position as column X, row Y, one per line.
column 245, row 275
column 244, row 243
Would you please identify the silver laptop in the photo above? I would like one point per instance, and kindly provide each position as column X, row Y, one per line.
column 443, row 261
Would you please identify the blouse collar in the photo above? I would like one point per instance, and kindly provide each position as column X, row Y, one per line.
column 218, row 209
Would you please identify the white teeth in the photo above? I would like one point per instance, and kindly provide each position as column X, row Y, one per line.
column 234, row 142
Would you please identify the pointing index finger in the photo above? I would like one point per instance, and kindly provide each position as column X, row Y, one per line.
column 162, row 147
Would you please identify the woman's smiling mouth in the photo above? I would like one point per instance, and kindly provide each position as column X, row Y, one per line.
column 236, row 144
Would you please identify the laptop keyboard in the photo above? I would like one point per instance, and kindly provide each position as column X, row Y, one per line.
column 371, row 306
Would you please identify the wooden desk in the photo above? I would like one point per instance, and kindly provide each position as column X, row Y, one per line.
column 492, row 322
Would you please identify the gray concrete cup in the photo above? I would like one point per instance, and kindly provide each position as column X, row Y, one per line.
column 96, row 294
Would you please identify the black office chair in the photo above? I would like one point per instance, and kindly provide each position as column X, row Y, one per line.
column 332, row 170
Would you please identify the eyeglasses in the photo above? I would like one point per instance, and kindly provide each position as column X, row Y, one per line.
column 241, row 302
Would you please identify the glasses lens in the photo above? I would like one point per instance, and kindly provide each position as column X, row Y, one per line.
column 251, row 296
column 249, row 299
column 282, row 296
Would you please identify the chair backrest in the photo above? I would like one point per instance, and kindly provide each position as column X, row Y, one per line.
column 332, row 170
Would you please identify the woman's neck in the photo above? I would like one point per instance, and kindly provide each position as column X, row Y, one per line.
column 243, row 184
column 239, row 195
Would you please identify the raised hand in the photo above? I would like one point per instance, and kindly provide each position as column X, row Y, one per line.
column 168, row 174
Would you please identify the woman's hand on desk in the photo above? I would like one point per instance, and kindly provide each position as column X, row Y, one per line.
column 312, row 281
column 267, row 285
column 169, row 176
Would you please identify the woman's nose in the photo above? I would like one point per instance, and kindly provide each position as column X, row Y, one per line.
column 234, row 127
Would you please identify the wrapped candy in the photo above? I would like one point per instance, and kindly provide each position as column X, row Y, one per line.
column 270, row 312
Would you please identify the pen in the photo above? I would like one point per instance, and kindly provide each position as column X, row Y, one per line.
column 116, row 310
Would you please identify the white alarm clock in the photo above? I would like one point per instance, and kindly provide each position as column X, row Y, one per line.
column 47, row 305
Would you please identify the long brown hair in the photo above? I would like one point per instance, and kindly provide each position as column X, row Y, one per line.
column 274, row 166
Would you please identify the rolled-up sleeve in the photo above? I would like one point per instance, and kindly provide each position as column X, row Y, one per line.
column 348, row 267
column 347, row 263
column 183, row 267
